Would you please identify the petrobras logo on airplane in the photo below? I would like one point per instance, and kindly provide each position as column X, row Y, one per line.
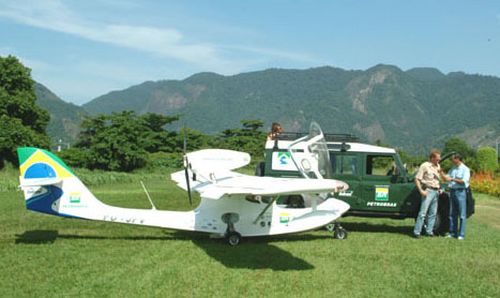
column 284, row 218
column 75, row 201
column 74, row 197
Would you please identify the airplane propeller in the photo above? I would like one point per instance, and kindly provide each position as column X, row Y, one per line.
column 186, row 170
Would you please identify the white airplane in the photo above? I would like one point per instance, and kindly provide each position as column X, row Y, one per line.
column 232, row 205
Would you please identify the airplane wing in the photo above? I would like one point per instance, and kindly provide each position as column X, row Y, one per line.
column 232, row 183
column 210, row 175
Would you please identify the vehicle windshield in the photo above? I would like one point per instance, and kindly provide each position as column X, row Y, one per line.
column 310, row 154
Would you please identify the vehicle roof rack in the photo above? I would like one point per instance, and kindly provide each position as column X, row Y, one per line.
column 329, row 137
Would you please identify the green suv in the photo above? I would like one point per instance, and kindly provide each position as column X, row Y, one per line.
column 379, row 184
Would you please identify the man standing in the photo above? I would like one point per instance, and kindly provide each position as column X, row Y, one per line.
column 458, row 176
column 427, row 182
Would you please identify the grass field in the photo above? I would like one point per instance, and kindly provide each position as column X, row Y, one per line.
column 43, row 255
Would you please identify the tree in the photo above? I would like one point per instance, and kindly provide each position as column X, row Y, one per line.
column 121, row 141
column 249, row 139
column 460, row 146
column 22, row 122
column 487, row 159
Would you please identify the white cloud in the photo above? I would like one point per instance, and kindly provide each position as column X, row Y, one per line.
column 165, row 42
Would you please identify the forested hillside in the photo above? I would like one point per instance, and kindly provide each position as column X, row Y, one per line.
column 412, row 109
column 65, row 118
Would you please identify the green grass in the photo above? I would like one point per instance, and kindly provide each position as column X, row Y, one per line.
column 43, row 255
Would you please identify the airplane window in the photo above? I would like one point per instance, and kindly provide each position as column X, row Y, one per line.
column 293, row 201
column 252, row 199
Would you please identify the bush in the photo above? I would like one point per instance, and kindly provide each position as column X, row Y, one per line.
column 486, row 183
column 487, row 159
column 163, row 160
column 9, row 178
column 74, row 157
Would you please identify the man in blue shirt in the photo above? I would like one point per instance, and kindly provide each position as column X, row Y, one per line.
column 458, row 176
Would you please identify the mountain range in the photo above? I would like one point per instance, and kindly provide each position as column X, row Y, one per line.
column 414, row 110
column 65, row 118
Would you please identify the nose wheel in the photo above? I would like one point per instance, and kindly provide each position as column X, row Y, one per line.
column 338, row 231
column 232, row 237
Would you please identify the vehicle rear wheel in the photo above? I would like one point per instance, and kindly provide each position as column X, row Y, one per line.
column 442, row 223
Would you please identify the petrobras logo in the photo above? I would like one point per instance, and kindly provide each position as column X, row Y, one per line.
column 282, row 161
column 382, row 193
column 284, row 158
column 284, row 218
column 74, row 197
column 381, row 204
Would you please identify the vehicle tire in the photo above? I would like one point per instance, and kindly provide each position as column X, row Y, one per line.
column 233, row 238
column 340, row 233
column 442, row 223
column 330, row 227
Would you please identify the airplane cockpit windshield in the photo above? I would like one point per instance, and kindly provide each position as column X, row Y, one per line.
column 310, row 154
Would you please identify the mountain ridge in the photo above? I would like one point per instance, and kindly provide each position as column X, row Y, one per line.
column 65, row 117
column 414, row 109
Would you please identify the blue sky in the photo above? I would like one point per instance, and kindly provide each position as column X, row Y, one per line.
column 83, row 49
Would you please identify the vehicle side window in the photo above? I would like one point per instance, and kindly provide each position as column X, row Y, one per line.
column 344, row 164
column 380, row 165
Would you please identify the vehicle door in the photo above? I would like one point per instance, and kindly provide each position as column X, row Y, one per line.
column 346, row 166
column 383, row 188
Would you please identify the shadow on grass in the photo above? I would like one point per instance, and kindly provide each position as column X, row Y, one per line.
column 377, row 228
column 252, row 253
column 37, row 237
column 49, row 236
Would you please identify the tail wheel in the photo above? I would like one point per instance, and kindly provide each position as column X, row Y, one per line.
column 233, row 238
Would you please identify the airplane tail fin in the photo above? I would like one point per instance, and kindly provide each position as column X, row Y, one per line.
column 50, row 186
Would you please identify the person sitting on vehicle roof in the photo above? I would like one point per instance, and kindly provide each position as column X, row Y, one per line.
column 276, row 130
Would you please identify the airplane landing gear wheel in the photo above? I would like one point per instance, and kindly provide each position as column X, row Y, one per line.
column 233, row 238
column 330, row 227
column 340, row 233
